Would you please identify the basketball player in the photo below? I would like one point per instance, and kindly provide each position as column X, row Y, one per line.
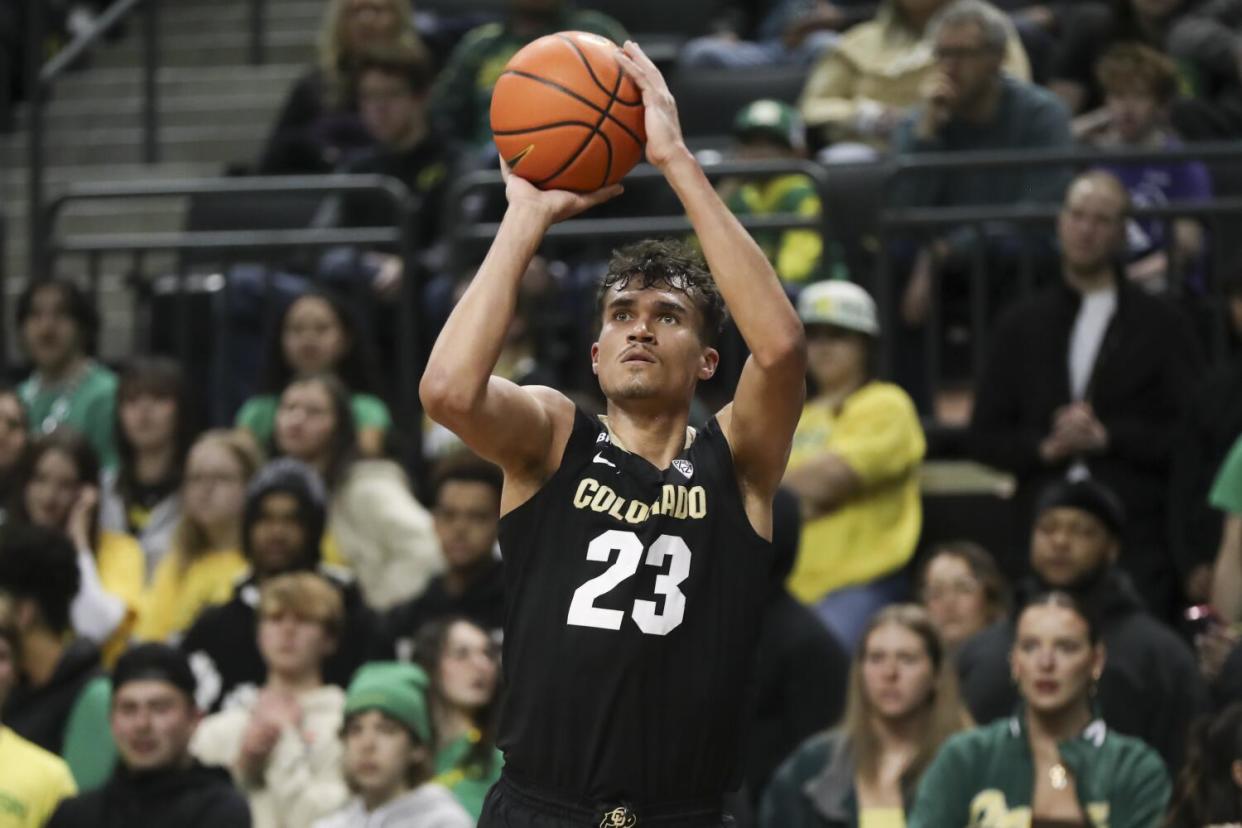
column 636, row 550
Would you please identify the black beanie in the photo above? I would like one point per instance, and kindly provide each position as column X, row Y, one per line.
column 295, row 478
column 154, row 661
column 1091, row 497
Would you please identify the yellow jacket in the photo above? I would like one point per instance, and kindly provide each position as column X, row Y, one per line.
column 182, row 589
column 122, row 569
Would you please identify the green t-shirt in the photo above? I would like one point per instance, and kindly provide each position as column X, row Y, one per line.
column 468, row 783
column 1226, row 493
column 88, row 748
column 258, row 415
column 87, row 403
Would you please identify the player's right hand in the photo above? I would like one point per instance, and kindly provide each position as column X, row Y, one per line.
column 551, row 205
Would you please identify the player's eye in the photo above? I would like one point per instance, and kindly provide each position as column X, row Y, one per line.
column 621, row 316
column 668, row 319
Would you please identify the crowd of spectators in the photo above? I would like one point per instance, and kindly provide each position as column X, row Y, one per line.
column 259, row 615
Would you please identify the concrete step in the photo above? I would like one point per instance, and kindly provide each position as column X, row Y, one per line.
column 180, row 16
column 13, row 181
column 211, row 47
column 220, row 144
column 185, row 111
column 177, row 81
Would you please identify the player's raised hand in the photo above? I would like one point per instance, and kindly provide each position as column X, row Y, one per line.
column 664, row 139
column 553, row 205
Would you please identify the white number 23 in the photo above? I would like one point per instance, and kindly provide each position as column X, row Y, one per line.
column 629, row 549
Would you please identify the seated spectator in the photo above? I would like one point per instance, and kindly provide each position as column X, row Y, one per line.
column 59, row 491
column 1150, row 686
column 802, row 671
column 963, row 591
column 462, row 96
column 771, row 130
column 319, row 124
column 903, row 704
column 282, row 744
column 790, row 32
column 862, row 88
column 319, row 332
column 282, row 529
column 13, row 441
column 389, row 739
column 60, row 701
column 969, row 104
column 59, row 326
column 393, row 85
column 1088, row 377
column 34, row 780
column 153, row 433
column 1219, row 641
column 375, row 524
column 463, row 664
column 205, row 559
column 1139, row 86
column 157, row 783
column 1054, row 762
column 1209, row 789
column 854, row 467
column 466, row 516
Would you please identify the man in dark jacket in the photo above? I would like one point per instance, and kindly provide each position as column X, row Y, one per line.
column 1088, row 378
column 282, row 528
column 1151, row 686
column 157, row 782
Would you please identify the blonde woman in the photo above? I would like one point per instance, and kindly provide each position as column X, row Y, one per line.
column 206, row 557
column 319, row 122
column 903, row 704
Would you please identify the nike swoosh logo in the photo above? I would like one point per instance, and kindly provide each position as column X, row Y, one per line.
column 599, row 458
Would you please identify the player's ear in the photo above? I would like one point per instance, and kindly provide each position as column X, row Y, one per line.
column 595, row 358
column 708, row 363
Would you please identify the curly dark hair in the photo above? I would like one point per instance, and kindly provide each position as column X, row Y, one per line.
column 672, row 264
column 40, row 564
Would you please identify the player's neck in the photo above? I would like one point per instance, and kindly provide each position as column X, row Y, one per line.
column 656, row 437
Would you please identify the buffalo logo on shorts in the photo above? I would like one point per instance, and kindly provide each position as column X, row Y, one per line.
column 619, row 817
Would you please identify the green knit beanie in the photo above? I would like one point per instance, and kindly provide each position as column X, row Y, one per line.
column 396, row 689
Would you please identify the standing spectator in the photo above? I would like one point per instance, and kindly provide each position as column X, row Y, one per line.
column 854, row 467
column 1139, row 87
column 462, row 662
column 13, row 441
column 59, row 491
column 963, row 591
column 861, row 89
column 903, row 705
column 389, row 739
column 375, row 523
column 34, row 780
column 318, row 333
column 1209, row 790
column 462, row 95
column 1054, row 762
column 157, row 783
column 60, row 701
column 153, row 434
column 282, row 744
column 1150, row 686
column 319, row 122
column 59, row 327
column 282, row 529
column 802, row 671
column 205, row 559
column 467, row 522
column 1087, row 378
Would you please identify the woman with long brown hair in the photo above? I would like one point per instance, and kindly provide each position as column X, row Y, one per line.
column 903, row 704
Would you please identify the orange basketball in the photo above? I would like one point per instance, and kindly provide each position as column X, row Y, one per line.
column 564, row 115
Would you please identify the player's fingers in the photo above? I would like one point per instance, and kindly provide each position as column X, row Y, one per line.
column 505, row 172
column 634, row 71
column 637, row 54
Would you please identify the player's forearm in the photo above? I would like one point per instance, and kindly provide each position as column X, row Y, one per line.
column 749, row 285
column 470, row 343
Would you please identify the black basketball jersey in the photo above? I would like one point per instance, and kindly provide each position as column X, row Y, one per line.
column 634, row 603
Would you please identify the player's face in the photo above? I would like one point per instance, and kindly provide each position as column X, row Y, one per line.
column 836, row 358
column 955, row 599
column 1090, row 226
column 467, row 519
column 152, row 722
column 149, row 421
column 379, row 752
column 468, row 668
column 1134, row 113
column 49, row 332
column 213, row 490
column 277, row 537
column 52, row 489
column 1052, row 659
column 1068, row 544
column 649, row 346
column 312, row 337
column 12, row 431
column 389, row 109
column 897, row 672
column 305, row 421
column 292, row 645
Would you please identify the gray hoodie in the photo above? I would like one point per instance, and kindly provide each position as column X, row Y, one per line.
column 427, row 806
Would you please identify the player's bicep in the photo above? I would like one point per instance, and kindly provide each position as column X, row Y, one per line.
column 760, row 421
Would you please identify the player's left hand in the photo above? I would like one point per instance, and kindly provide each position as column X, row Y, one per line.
column 664, row 138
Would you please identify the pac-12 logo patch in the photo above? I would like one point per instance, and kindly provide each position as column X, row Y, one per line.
column 685, row 467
